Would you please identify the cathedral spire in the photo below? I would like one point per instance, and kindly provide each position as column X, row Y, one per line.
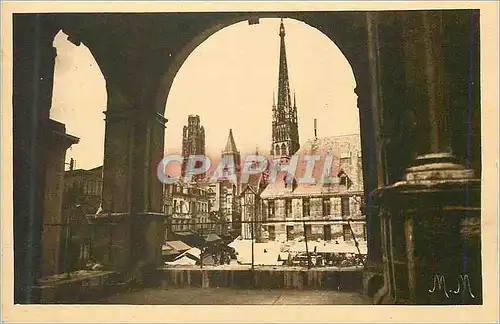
column 285, row 140
column 284, row 101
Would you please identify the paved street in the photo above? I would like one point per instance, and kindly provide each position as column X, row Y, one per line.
column 226, row 296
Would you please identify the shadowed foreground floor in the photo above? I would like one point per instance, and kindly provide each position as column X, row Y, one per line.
column 226, row 296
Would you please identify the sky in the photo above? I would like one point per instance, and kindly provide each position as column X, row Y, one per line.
column 229, row 81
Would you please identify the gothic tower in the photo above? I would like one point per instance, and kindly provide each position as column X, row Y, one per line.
column 285, row 131
column 193, row 140
column 231, row 188
column 231, row 151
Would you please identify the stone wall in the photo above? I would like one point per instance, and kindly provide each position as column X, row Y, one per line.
column 301, row 279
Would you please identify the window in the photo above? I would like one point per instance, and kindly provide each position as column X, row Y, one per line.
column 308, row 231
column 305, row 207
column 346, row 229
column 272, row 233
column 175, row 206
column 288, row 207
column 326, row 206
column 270, row 208
column 327, row 232
column 289, row 233
column 345, row 158
column 344, row 201
column 343, row 179
column 182, row 207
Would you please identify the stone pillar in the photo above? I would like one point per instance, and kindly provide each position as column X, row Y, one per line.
column 368, row 91
column 118, row 146
column 130, row 231
column 432, row 222
column 57, row 142
column 33, row 71
column 431, row 219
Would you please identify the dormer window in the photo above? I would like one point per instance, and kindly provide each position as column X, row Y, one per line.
column 343, row 179
column 270, row 208
column 345, row 158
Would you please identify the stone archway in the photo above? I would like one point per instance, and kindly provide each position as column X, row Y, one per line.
column 134, row 126
column 398, row 103
column 353, row 34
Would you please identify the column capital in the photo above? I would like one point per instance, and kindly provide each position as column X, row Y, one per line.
column 122, row 114
column 161, row 119
column 56, row 135
column 134, row 114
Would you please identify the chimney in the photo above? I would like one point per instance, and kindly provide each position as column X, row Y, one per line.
column 315, row 129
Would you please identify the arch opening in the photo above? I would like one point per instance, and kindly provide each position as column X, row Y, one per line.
column 227, row 83
column 78, row 100
column 184, row 91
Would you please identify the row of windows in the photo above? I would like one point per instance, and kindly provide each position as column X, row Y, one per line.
column 89, row 187
column 190, row 226
column 189, row 191
column 306, row 207
column 194, row 207
column 92, row 187
column 327, row 232
column 282, row 151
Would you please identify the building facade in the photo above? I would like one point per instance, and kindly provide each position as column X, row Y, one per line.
column 252, row 208
column 83, row 187
column 319, row 210
column 187, row 208
column 81, row 197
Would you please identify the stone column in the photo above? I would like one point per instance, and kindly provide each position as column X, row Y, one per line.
column 433, row 231
column 432, row 33
column 129, row 233
column 33, row 71
column 57, row 142
column 118, row 150
column 369, row 96
column 431, row 218
column 368, row 91
column 148, row 222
